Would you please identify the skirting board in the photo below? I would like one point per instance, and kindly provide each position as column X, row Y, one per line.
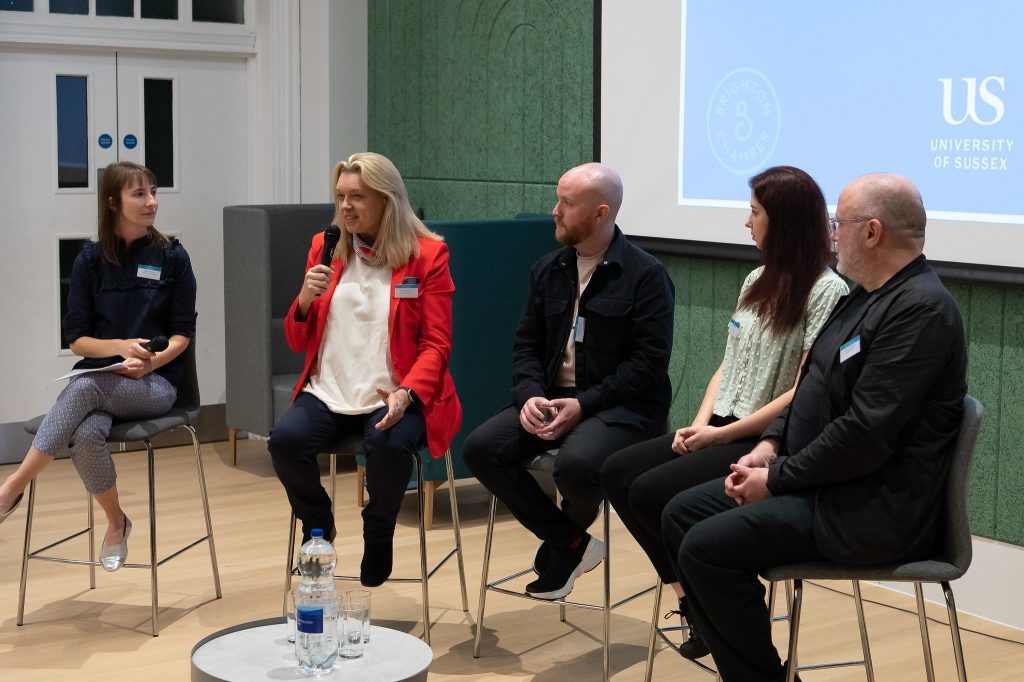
column 991, row 588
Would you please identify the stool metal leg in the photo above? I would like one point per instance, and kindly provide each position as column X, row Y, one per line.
column 865, row 647
column 606, row 644
column 206, row 508
column 90, row 520
column 794, row 628
column 24, row 555
column 926, row 645
column 421, row 498
column 954, row 631
column 489, row 538
column 455, row 526
column 154, row 596
column 288, row 565
column 653, row 638
column 334, row 483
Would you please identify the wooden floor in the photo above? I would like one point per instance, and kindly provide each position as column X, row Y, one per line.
column 74, row 633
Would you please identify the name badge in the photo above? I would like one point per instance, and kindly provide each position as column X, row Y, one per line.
column 849, row 349
column 580, row 329
column 734, row 329
column 148, row 272
column 407, row 290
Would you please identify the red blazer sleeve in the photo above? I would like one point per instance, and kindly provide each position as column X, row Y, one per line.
column 296, row 332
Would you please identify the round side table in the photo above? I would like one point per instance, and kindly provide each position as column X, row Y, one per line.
column 259, row 650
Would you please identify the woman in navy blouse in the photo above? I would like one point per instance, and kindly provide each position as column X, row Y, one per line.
column 129, row 286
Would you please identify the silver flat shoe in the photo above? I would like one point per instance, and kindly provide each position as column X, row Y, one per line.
column 17, row 501
column 112, row 557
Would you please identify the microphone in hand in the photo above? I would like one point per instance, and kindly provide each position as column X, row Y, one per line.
column 156, row 344
column 331, row 236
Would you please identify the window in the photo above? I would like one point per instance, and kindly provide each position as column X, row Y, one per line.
column 160, row 9
column 219, row 11
column 69, row 6
column 16, row 5
column 67, row 252
column 72, row 132
column 115, row 8
column 158, row 110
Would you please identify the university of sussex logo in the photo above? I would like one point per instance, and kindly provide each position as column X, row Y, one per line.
column 986, row 90
column 743, row 120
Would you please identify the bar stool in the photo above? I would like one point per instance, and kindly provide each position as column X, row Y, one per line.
column 182, row 415
column 351, row 446
column 545, row 463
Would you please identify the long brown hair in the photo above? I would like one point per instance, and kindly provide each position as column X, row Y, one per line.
column 796, row 249
column 116, row 177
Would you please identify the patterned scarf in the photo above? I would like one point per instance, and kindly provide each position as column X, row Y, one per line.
column 366, row 252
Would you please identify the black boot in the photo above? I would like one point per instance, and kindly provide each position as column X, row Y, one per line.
column 376, row 566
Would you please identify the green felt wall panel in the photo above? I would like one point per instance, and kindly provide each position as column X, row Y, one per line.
column 483, row 104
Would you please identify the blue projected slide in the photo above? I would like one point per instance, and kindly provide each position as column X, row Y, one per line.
column 932, row 90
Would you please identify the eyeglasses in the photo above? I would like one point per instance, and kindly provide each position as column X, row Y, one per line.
column 834, row 223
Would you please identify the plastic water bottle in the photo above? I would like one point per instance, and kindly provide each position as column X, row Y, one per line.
column 316, row 606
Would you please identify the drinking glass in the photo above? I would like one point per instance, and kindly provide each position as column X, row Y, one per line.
column 360, row 598
column 351, row 622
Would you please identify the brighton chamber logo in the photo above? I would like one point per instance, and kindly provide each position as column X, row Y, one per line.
column 743, row 120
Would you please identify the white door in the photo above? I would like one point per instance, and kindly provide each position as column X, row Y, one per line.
column 67, row 114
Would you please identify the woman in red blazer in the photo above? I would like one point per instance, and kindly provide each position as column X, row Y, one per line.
column 376, row 327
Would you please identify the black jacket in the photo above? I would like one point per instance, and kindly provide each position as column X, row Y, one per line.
column 888, row 423
column 622, row 363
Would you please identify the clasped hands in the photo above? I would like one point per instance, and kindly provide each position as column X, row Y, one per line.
column 748, row 481
column 550, row 419
column 138, row 361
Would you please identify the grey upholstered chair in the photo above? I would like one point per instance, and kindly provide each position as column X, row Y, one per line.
column 950, row 561
column 544, row 464
column 264, row 261
column 182, row 415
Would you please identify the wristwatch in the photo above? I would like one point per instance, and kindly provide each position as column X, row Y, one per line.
column 413, row 400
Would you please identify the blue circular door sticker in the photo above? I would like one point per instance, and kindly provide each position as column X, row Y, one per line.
column 130, row 141
column 106, row 140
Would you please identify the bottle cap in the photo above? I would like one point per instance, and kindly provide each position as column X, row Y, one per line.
column 316, row 533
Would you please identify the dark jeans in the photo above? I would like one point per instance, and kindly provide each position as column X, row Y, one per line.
column 718, row 549
column 640, row 480
column 498, row 450
column 309, row 427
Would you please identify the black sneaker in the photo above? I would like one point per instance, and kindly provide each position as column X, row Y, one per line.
column 565, row 565
column 694, row 647
column 542, row 558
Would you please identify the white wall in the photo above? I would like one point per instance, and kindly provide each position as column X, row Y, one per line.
column 306, row 101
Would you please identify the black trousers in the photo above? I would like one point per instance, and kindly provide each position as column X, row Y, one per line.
column 718, row 549
column 498, row 450
column 309, row 427
column 640, row 480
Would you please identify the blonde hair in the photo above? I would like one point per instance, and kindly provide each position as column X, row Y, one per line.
column 398, row 237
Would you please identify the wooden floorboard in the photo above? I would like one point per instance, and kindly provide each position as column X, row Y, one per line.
column 74, row 633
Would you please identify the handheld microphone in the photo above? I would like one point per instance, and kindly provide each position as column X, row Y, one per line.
column 156, row 344
column 331, row 236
